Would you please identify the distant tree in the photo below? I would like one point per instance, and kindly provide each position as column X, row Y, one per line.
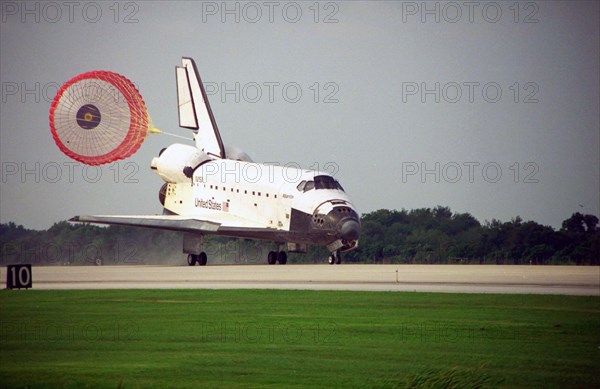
column 574, row 224
column 591, row 223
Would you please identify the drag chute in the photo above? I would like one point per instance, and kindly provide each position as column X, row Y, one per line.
column 99, row 117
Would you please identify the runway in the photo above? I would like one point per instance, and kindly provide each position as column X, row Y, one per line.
column 565, row 280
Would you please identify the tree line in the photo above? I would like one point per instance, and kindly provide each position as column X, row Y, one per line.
column 440, row 236
column 419, row 236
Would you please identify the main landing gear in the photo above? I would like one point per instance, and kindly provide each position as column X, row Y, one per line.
column 335, row 258
column 201, row 259
column 277, row 256
column 192, row 246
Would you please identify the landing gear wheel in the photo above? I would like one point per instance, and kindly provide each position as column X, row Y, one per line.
column 335, row 258
column 282, row 257
column 272, row 258
column 202, row 259
column 191, row 260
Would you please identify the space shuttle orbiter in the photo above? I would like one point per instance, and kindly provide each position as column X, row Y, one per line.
column 213, row 189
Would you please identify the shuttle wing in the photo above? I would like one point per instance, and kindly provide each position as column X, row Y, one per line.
column 226, row 225
column 194, row 109
column 163, row 222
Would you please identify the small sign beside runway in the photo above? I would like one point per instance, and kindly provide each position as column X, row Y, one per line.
column 18, row 277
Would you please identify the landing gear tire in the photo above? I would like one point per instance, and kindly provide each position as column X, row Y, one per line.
column 335, row 258
column 272, row 258
column 282, row 257
column 191, row 260
column 201, row 259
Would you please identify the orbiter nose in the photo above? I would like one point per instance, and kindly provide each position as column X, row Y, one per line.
column 349, row 229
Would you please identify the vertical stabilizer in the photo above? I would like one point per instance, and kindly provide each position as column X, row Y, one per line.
column 194, row 109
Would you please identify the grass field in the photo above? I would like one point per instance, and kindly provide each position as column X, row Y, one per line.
column 276, row 338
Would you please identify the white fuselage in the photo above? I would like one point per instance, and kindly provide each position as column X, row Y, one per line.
column 263, row 195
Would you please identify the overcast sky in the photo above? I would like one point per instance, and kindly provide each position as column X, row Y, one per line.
column 490, row 108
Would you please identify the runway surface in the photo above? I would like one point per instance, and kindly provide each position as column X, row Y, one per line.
column 568, row 280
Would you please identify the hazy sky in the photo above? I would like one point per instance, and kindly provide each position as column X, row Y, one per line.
column 490, row 108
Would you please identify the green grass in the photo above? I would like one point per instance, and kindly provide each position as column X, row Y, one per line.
column 276, row 338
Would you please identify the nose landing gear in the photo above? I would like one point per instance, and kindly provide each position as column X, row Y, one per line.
column 335, row 258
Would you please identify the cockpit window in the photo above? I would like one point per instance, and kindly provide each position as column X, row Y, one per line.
column 327, row 182
column 320, row 182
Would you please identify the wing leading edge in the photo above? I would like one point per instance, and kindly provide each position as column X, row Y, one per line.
column 162, row 222
column 228, row 226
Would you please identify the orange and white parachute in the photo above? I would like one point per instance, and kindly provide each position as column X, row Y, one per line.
column 99, row 117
